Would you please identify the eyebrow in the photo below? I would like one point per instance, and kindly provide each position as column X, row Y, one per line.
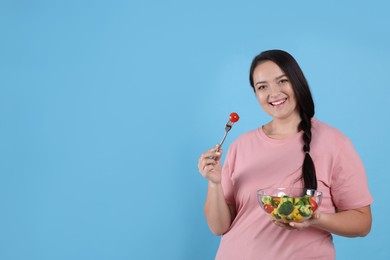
column 278, row 77
column 281, row 76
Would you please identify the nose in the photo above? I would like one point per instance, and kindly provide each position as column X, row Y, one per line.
column 274, row 90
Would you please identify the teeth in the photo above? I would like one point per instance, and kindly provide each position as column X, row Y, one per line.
column 278, row 102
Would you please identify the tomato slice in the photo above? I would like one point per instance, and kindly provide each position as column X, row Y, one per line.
column 268, row 208
column 313, row 204
column 234, row 117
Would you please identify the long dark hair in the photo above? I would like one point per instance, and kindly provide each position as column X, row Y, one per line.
column 290, row 67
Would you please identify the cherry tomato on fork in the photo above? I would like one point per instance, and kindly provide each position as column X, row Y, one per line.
column 234, row 117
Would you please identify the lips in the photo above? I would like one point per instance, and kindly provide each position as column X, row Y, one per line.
column 278, row 102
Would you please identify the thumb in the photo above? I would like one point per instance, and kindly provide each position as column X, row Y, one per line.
column 218, row 154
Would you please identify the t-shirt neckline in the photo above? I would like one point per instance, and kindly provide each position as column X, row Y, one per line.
column 265, row 137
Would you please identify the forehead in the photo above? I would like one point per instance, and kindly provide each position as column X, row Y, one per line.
column 267, row 71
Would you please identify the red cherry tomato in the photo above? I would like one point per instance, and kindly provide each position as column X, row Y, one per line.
column 268, row 208
column 234, row 117
column 313, row 204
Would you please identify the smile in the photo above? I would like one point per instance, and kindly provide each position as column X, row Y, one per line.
column 278, row 102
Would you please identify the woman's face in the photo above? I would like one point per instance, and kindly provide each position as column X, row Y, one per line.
column 274, row 91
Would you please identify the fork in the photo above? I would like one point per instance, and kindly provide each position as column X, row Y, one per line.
column 228, row 126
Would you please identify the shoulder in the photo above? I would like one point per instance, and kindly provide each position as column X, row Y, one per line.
column 245, row 140
column 326, row 133
column 327, row 139
column 247, row 136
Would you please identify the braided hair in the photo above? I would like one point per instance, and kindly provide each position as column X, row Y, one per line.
column 304, row 100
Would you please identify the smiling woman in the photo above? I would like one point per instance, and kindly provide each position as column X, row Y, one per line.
column 293, row 150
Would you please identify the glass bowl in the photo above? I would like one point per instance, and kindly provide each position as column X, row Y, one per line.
column 289, row 204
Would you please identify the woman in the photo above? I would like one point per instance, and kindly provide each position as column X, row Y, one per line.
column 292, row 150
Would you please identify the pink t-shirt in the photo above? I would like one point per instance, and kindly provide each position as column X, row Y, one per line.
column 255, row 161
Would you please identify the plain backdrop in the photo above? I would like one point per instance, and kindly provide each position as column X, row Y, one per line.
column 106, row 106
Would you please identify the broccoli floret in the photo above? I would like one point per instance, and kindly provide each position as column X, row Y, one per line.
column 287, row 198
column 306, row 200
column 299, row 203
column 286, row 208
column 267, row 200
column 306, row 210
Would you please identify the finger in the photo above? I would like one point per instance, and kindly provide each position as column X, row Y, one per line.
column 300, row 226
column 207, row 167
column 214, row 150
column 217, row 149
column 206, row 172
column 293, row 225
column 207, row 155
column 206, row 160
column 215, row 156
column 203, row 160
column 316, row 215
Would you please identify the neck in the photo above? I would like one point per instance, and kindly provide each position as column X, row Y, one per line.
column 282, row 128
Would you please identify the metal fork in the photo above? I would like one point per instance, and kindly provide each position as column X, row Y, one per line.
column 228, row 126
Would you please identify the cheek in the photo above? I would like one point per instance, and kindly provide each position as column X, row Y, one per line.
column 262, row 99
column 293, row 99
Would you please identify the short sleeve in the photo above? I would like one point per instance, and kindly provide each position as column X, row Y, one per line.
column 349, row 185
column 226, row 178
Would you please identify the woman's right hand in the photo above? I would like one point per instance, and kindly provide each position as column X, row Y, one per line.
column 209, row 165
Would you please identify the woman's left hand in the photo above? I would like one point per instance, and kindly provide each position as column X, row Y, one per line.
column 299, row 225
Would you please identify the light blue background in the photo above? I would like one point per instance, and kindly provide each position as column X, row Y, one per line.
column 106, row 106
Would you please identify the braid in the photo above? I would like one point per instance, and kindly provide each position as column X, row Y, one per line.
column 308, row 168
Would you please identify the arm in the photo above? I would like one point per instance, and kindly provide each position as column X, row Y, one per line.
column 348, row 223
column 348, row 183
column 219, row 214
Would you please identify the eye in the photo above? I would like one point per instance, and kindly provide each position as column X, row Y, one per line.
column 283, row 81
column 261, row 87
